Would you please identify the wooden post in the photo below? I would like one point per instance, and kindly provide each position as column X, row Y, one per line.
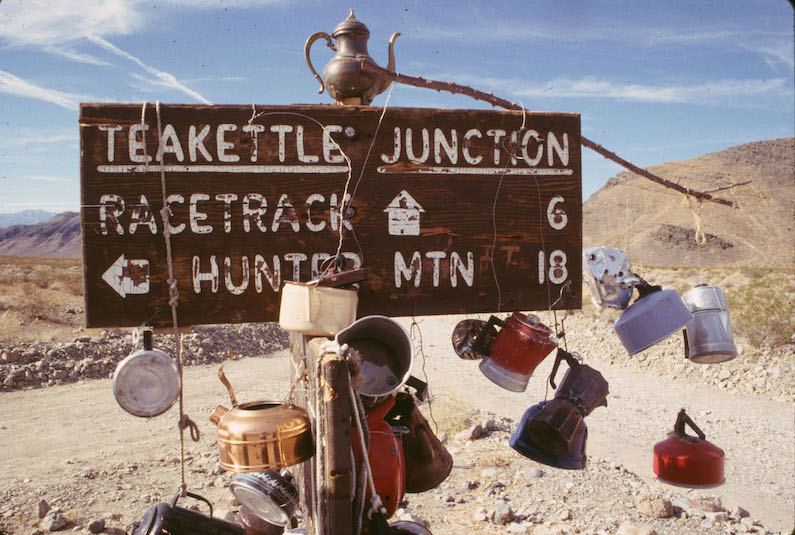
column 325, row 481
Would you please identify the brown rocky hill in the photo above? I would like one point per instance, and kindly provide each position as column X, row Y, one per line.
column 57, row 237
column 662, row 225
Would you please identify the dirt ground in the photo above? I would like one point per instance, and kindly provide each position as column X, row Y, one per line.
column 73, row 446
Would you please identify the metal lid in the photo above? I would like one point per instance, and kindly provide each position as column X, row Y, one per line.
column 704, row 297
column 146, row 383
column 269, row 495
column 350, row 25
column 651, row 319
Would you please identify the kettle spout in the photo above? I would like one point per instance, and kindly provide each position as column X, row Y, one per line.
column 218, row 413
column 382, row 84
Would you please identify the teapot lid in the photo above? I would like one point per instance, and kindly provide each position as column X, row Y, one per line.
column 350, row 25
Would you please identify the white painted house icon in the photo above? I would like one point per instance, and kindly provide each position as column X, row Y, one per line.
column 404, row 215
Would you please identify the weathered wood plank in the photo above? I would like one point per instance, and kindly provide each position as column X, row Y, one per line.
column 255, row 197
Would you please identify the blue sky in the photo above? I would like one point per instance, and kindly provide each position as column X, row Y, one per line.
column 653, row 81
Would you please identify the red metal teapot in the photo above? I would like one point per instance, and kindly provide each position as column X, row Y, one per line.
column 688, row 461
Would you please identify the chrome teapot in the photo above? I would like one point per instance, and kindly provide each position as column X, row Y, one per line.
column 343, row 76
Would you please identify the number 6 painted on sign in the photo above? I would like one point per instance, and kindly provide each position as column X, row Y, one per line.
column 557, row 267
column 557, row 218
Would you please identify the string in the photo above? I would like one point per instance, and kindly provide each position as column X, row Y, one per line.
column 418, row 331
column 184, row 421
column 511, row 156
column 334, row 144
column 626, row 217
column 700, row 237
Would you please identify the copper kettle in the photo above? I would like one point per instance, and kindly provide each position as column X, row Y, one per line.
column 344, row 77
column 261, row 435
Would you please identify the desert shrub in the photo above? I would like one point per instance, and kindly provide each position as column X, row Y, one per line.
column 40, row 276
column 69, row 281
column 450, row 415
column 761, row 311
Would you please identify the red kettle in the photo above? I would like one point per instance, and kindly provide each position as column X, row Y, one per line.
column 688, row 461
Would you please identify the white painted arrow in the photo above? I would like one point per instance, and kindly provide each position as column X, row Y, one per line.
column 123, row 284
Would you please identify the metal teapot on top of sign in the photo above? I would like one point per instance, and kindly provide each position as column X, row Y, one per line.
column 343, row 76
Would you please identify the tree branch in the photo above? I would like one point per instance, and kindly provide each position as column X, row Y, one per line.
column 450, row 87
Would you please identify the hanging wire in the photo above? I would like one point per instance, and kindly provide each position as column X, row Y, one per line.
column 416, row 333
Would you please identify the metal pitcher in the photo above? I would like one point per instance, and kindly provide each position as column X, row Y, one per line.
column 343, row 76
column 708, row 335
column 610, row 280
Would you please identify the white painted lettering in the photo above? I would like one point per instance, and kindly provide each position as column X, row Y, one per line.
column 497, row 134
column 279, row 216
column 334, row 214
column 426, row 146
column 554, row 146
column 402, row 270
column 465, row 148
column 532, row 162
column 450, row 148
column 437, row 269
column 457, row 266
column 199, row 276
column 137, row 149
column 196, row 216
column 274, row 275
column 169, row 143
column 282, row 130
column 254, row 206
column 254, row 130
column 317, row 264
column 107, row 202
column 230, row 285
column 142, row 215
column 299, row 141
column 197, row 142
column 296, row 259
column 312, row 199
column 396, row 155
column 228, row 199
column 330, row 145
column 171, row 199
column 111, row 129
column 557, row 217
column 223, row 144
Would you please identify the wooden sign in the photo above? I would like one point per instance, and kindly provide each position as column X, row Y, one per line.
column 452, row 210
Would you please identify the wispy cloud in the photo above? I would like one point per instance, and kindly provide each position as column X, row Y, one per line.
column 15, row 85
column 44, row 139
column 602, row 88
column 69, row 53
column 164, row 78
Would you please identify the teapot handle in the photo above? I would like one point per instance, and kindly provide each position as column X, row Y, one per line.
column 562, row 355
column 312, row 38
column 477, row 347
column 679, row 428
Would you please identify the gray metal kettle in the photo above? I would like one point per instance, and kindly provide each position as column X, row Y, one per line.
column 708, row 335
column 343, row 76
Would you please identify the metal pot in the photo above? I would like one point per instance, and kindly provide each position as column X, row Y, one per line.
column 465, row 336
column 688, row 461
column 170, row 518
column 654, row 316
column 572, row 459
column 520, row 346
column 271, row 495
column 708, row 335
column 609, row 277
column 428, row 463
column 316, row 310
column 261, row 435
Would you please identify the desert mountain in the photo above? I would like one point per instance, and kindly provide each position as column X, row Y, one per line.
column 662, row 225
column 25, row 217
column 57, row 237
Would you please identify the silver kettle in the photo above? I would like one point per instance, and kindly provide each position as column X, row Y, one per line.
column 609, row 277
column 708, row 335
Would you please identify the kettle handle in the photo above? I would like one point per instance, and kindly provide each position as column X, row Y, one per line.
column 228, row 385
column 562, row 355
column 477, row 347
column 679, row 428
column 309, row 42
column 687, row 344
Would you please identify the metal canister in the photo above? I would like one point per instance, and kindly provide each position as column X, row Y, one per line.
column 518, row 348
column 708, row 335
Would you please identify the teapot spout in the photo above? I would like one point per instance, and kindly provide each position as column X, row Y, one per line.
column 382, row 84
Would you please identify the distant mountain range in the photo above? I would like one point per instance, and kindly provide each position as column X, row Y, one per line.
column 659, row 227
column 25, row 217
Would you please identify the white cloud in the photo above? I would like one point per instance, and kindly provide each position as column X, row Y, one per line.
column 44, row 139
column 14, row 85
column 47, row 24
column 164, row 78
